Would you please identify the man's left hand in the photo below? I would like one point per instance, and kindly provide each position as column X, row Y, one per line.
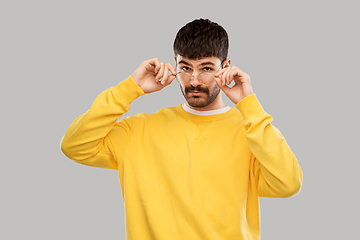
column 242, row 87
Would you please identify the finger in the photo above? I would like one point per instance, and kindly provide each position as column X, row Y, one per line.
column 171, row 74
column 171, row 68
column 224, row 76
column 218, row 80
column 169, row 80
column 220, row 75
column 231, row 75
column 241, row 75
column 160, row 72
column 165, row 75
column 224, row 88
column 220, row 72
column 156, row 63
column 228, row 75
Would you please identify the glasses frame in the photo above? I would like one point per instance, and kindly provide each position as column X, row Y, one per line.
column 192, row 77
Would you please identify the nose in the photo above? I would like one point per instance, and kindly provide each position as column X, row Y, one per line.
column 195, row 81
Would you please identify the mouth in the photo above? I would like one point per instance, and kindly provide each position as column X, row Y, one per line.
column 196, row 93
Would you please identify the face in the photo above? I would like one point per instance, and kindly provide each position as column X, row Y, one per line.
column 196, row 94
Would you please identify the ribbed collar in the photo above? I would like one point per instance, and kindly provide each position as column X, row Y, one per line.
column 208, row 118
column 205, row 113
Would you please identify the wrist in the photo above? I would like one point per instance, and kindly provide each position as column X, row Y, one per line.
column 128, row 87
column 250, row 106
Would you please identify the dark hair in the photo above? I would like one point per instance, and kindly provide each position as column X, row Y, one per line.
column 202, row 38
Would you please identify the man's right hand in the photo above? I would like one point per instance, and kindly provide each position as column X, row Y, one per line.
column 153, row 75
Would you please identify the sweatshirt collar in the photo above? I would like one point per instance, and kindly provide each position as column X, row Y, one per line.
column 212, row 115
column 205, row 113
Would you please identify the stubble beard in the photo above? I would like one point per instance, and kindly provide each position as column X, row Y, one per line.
column 200, row 101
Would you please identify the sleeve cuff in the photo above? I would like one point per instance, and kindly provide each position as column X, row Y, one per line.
column 250, row 107
column 127, row 91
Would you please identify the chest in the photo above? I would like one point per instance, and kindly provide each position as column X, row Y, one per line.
column 203, row 147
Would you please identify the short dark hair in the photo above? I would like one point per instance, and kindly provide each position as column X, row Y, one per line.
column 202, row 38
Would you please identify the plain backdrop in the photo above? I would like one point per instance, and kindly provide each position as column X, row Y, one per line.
column 57, row 56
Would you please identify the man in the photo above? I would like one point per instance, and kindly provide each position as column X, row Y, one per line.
column 193, row 171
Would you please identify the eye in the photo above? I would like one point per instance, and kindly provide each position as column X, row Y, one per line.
column 185, row 69
column 207, row 69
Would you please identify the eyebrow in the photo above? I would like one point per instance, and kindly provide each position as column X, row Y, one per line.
column 201, row 64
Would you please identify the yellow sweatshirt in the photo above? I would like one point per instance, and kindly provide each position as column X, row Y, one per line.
column 185, row 176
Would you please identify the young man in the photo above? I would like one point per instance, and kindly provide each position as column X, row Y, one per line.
column 193, row 171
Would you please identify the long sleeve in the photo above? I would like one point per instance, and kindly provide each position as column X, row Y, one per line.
column 90, row 138
column 275, row 165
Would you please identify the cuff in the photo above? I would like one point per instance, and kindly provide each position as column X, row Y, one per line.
column 127, row 90
column 250, row 107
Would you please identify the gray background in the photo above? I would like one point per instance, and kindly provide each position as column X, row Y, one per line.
column 57, row 56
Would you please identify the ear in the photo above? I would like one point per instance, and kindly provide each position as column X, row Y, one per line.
column 226, row 63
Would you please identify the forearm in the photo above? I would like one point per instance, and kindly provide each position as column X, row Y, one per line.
column 278, row 170
column 89, row 133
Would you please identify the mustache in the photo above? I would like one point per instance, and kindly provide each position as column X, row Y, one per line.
column 197, row 88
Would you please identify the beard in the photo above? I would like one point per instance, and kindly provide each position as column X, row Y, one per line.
column 204, row 99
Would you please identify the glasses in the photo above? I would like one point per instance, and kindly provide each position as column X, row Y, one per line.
column 205, row 78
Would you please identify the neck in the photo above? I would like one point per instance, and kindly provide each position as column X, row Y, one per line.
column 216, row 104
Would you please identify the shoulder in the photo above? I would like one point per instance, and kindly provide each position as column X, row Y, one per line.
column 235, row 118
column 143, row 117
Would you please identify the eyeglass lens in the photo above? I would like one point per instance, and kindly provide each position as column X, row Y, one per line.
column 205, row 78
